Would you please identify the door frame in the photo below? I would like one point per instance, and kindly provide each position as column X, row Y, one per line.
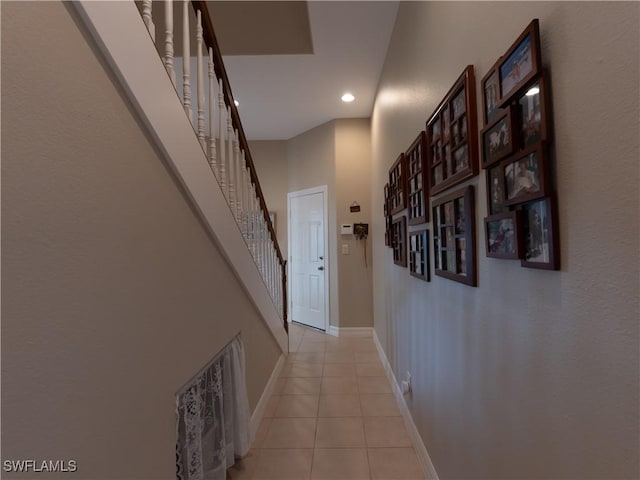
column 299, row 193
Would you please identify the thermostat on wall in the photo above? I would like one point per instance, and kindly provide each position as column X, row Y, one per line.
column 346, row 229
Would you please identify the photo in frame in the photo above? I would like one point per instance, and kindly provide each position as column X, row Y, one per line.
column 521, row 63
column 398, row 185
column 540, row 232
column 502, row 237
column 495, row 190
column 490, row 88
column 525, row 175
column 498, row 138
column 399, row 240
column 419, row 254
column 417, row 184
column 534, row 112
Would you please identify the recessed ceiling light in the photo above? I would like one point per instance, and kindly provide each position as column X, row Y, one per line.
column 347, row 97
column 533, row 91
column 236, row 103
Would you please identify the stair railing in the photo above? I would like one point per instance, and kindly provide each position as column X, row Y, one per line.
column 223, row 140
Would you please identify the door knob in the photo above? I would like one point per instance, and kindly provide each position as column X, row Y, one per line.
column 321, row 258
column 320, row 268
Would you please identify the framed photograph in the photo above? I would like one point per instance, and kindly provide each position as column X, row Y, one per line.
column 534, row 112
column 521, row 63
column 399, row 241
column 540, row 232
column 495, row 190
column 501, row 233
column 387, row 217
column 451, row 136
column 498, row 138
column 525, row 175
column 417, row 183
column 419, row 254
column 490, row 95
column 398, row 185
column 454, row 236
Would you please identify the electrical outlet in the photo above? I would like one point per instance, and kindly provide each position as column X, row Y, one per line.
column 345, row 249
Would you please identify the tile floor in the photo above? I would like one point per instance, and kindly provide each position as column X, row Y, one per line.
column 332, row 416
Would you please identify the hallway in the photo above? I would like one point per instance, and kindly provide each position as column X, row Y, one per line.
column 332, row 416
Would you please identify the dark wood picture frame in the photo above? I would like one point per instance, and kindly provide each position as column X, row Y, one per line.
column 417, row 182
column 502, row 235
column 499, row 138
column 540, row 234
column 399, row 240
column 452, row 136
column 398, row 185
column 454, row 237
column 495, row 190
column 418, row 248
column 490, row 88
column 387, row 217
column 534, row 112
column 525, row 175
column 521, row 63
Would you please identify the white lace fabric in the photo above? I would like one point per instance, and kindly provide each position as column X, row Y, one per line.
column 213, row 417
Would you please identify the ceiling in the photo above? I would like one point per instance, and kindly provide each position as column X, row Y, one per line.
column 289, row 62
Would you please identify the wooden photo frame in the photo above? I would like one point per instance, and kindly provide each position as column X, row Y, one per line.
column 419, row 255
column 398, row 185
column 399, row 240
column 499, row 138
column 525, row 175
column 521, row 63
column 454, row 238
column 387, row 217
column 417, row 182
column 540, row 234
column 534, row 115
column 490, row 88
column 452, row 136
column 502, row 235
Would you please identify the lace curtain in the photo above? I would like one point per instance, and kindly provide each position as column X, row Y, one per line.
column 213, row 417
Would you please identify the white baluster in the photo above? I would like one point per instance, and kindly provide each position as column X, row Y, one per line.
column 222, row 178
column 237, row 173
column 146, row 17
column 212, row 130
column 168, row 40
column 230, row 167
column 186, row 62
column 241, row 203
column 200, row 73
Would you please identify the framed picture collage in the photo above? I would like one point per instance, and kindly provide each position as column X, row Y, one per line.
column 513, row 148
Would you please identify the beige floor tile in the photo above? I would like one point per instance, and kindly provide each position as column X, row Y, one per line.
column 302, row 386
column 340, row 464
column 339, row 348
column 311, row 346
column 290, row 433
column 283, row 464
column 339, row 406
column 272, row 404
column 346, row 432
column 370, row 370
column 365, row 346
column 261, row 433
column 243, row 469
column 385, row 432
column 374, row 385
column 339, row 385
column 367, row 357
column 306, row 357
column 302, row 370
column 379, row 405
column 339, row 357
column 297, row 406
column 339, row 370
column 279, row 385
column 394, row 464
column 315, row 336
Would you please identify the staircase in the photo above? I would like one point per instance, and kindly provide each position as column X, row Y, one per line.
column 195, row 125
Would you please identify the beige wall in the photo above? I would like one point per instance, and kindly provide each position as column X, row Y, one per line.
column 534, row 374
column 113, row 293
column 270, row 160
column 353, row 183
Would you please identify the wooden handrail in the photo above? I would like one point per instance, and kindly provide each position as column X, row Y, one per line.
column 211, row 41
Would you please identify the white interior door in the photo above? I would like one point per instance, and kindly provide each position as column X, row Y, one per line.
column 307, row 257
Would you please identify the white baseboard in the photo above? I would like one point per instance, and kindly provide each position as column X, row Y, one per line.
column 416, row 439
column 258, row 412
column 350, row 331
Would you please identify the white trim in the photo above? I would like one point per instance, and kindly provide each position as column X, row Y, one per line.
column 350, row 331
column 416, row 439
column 325, row 198
column 258, row 412
column 129, row 51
